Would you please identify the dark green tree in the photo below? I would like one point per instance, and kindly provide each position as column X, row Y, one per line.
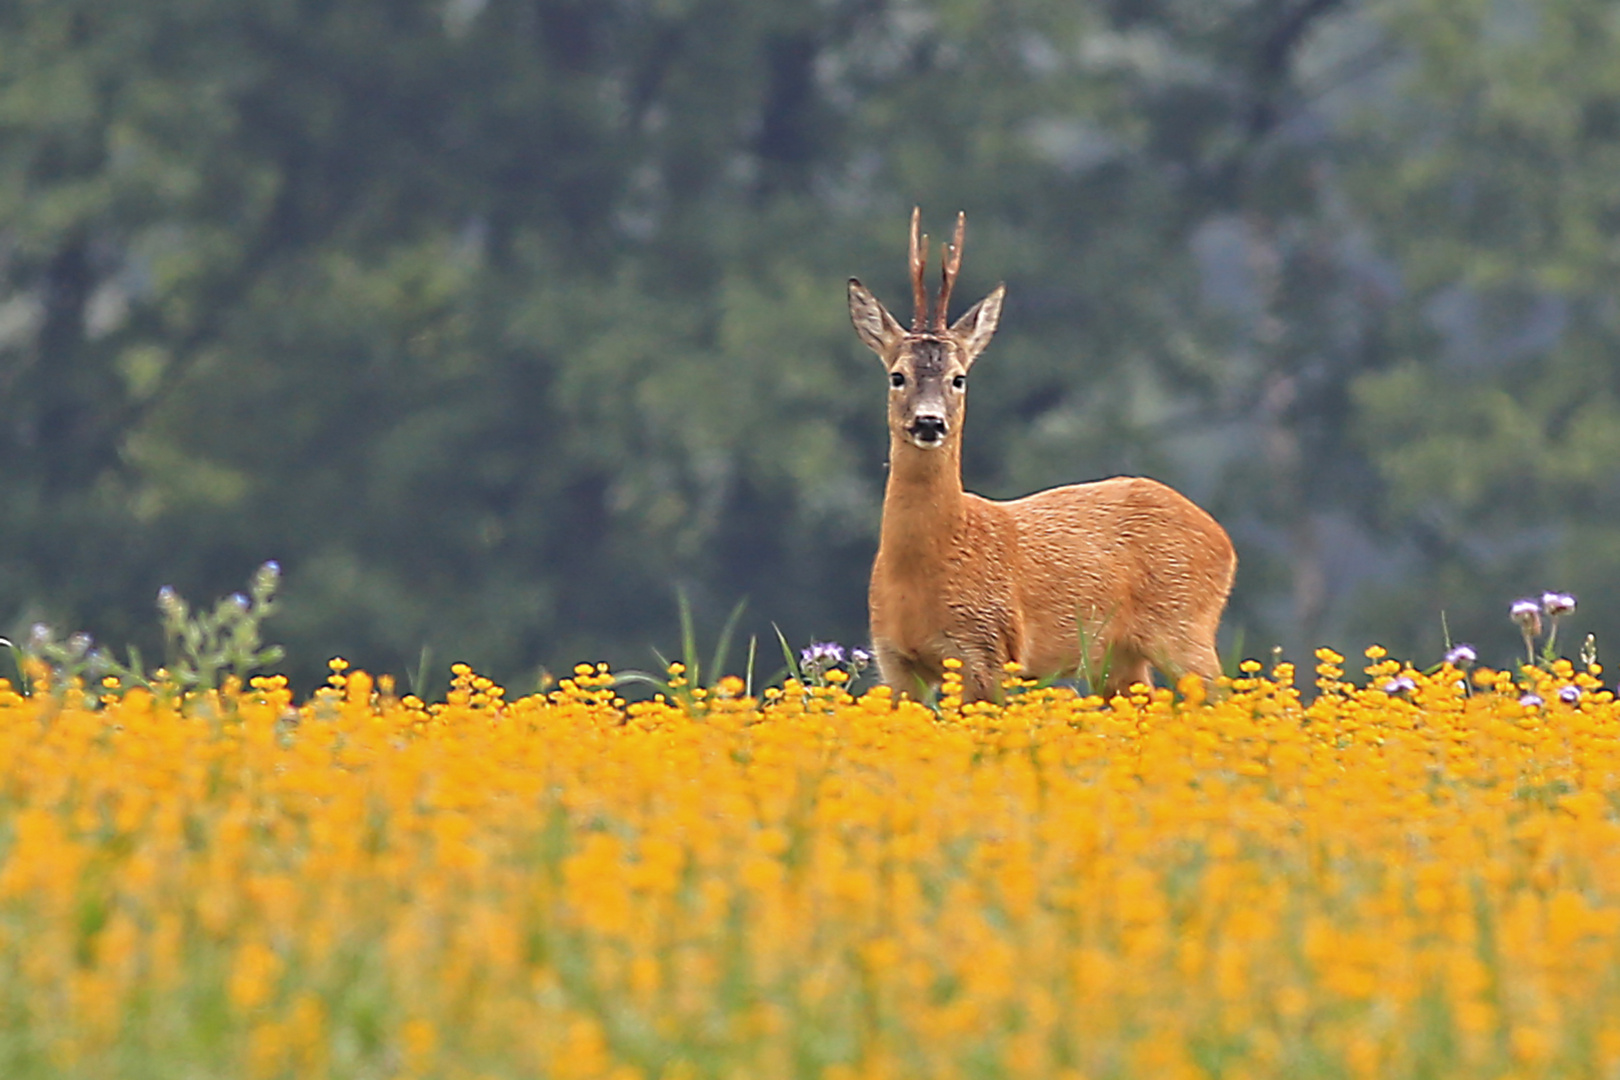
column 495, row 322
column 1492, row 180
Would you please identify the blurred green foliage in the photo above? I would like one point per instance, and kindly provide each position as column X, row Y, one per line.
column 495, row 321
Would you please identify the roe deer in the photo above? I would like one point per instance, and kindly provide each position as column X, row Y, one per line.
column 1128, row 567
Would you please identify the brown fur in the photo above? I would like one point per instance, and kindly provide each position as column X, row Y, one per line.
column 1138, row 566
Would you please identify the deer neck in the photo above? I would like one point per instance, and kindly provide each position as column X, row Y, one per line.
column 923, row 503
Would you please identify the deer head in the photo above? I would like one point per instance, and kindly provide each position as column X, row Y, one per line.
column 928, row 364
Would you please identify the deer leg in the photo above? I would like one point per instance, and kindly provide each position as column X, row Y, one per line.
column 901, row 673
column 981, row 682
column 982, row 672
column 1193, row 658
column 1128, row 669
column 1204, row 661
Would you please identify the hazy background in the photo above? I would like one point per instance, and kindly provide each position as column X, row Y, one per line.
column 494, row 321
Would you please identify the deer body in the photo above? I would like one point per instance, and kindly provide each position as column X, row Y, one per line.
column 1128, row 565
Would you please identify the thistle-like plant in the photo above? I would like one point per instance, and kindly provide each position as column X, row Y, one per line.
column 202, row 648
column 818, row 660
column 1527, row 614
column 205, row 648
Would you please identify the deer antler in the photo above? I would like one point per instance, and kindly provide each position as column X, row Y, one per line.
column 919, row 266
column 950, row 263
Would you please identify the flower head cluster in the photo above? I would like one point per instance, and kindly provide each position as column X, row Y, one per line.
column 1461, row 655
column 820, row 884
column 1527, row 615
column 821, row 658
column 1557, row 603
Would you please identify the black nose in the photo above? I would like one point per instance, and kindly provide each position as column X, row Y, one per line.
column 928, row 428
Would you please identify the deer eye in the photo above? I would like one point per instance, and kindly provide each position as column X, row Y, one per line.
column 897, row 379
column 959, row 381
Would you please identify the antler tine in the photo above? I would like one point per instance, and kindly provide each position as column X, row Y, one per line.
column 950, row 263
column 919, row 267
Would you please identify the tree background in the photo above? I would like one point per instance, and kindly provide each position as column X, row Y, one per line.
column 497, row 321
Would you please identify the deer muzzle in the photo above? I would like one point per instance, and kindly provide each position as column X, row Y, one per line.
column 927, row 429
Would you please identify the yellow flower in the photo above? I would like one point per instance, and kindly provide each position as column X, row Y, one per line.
column 253, row 975
column 565, row 884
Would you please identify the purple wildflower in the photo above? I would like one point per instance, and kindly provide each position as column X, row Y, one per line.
column 1527, row 614
column 1461, row 655
column 1557, row 603
column 821, row 656
column 1401, row 684
column 859, row 659
column 1531, row 700
column 1570, row 695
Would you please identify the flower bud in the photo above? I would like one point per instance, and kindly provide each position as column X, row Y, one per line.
column 265, row 578
column 169, row 603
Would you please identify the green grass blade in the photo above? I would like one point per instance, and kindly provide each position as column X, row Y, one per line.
column 748, row 678
column 1234, row 655
column 417, row 678
column 722, row 648
column 16, row 662
column 689, row 650
column 1083, row 669
column 787, row 653
column 641, row 678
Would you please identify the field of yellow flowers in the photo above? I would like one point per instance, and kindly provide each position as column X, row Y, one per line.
column 1413, row 876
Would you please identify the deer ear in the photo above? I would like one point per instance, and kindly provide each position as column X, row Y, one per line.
column 978, row 324
column 872, row 320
